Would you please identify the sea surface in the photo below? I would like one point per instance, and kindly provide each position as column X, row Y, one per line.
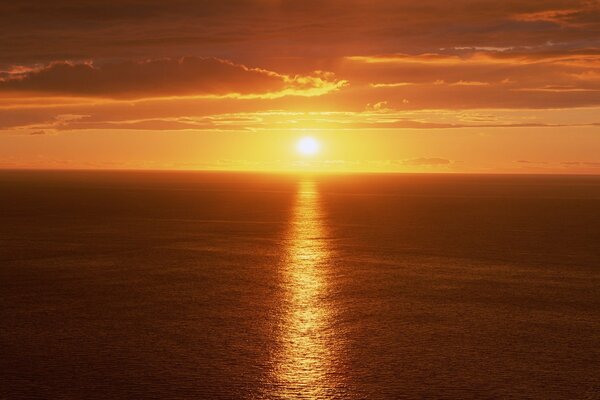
column 156, row 285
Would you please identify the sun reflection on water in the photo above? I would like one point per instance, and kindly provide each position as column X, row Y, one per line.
column 304, row 364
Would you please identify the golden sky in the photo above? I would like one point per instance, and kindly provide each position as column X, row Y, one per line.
column 405, row 85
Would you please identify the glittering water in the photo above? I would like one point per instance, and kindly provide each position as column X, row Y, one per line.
column 306, row 363
column 179, row 286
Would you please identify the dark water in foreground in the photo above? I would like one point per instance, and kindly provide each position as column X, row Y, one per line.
column 210, row 286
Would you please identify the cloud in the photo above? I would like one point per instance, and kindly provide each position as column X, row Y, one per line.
column 479, row 79
column 380, row 106
column 189, row 76
column 434, row 161
column 497, row 54
column 41, row 31
column 583, row 16
column 202, row 114
column 581, row 164
column 531, row 162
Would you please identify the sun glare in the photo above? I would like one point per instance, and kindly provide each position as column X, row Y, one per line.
column 308, row 146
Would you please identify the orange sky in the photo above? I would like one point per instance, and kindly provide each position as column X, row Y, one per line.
column 415, row 86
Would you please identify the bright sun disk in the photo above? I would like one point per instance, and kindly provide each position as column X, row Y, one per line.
column 308, row 146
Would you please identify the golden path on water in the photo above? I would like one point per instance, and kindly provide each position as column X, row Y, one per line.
column 304, row 365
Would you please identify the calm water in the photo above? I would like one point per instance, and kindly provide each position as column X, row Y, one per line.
column 226, row 286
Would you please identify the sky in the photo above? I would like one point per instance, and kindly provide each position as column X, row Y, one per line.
column 470, row 86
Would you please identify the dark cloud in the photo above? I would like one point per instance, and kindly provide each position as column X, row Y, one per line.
column 246, row 30
column 163, row 77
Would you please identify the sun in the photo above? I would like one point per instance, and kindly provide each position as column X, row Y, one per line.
column 308, row 146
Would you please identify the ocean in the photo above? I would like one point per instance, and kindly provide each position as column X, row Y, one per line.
column 190, row 285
